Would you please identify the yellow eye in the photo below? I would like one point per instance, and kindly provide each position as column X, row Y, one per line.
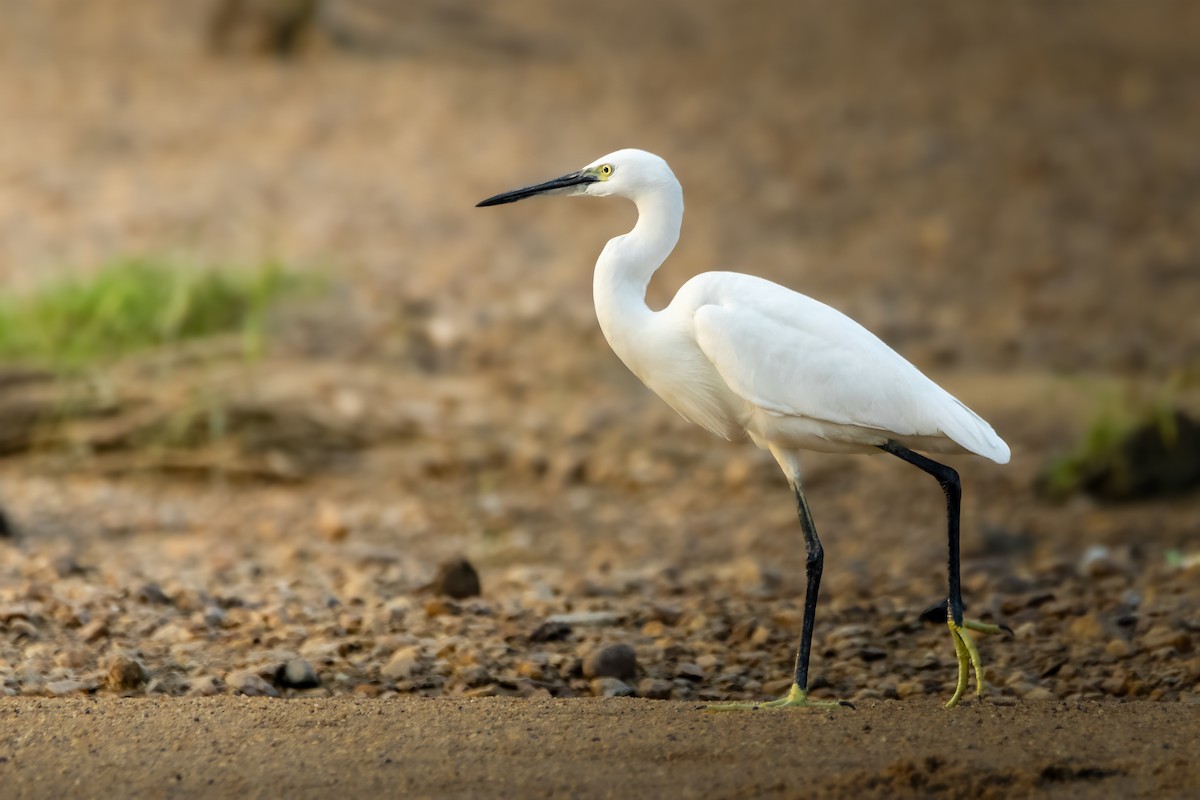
column 606, row 170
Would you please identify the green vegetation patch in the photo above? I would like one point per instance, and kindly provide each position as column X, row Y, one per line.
column 134, row 305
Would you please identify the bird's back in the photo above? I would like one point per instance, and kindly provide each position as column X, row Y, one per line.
column 812, row 378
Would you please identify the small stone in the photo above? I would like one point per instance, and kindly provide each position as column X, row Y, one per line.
column 1086, row 627
column 611, row 687
column 297, row 673
column 692, row 672
column 152, row 594
column 126, row 674
column 872, row 654
column 615, row 661
column 23, row 629
column 65, row 687
column 1119, row 648
column 1098, row 562
column 402, row 665
column 654, row 629
column 474, row 676
column 550, row 632
column 65, row 566
column 457, row 579
column 437, row 607
column 205, row 686
column 1039, row 694
column 330, row 522
column 251, row 684
column 667, row 615
column 655, row 689
column 593, row 619
column 530, row 669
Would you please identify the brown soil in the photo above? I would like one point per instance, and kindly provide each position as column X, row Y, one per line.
column 241, row 747
column 1007, row 193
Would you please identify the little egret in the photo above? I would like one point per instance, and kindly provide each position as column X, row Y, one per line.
column 739, row 355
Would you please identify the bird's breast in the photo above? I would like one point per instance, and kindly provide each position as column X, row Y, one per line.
column 675, row 369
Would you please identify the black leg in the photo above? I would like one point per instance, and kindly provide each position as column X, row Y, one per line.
column 952, row 487
column 813, row 567
column 6, row 530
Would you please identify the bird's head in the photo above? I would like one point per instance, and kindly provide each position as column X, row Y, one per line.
column 625, row 173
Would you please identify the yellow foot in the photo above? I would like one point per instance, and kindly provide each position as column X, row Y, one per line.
column 968, row 655
column 796, row 698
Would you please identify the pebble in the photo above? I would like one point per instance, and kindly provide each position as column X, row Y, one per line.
column 402, row 665
column 297, row 673
column 1098, row 562
column 596, row 619
column 330, row 523
column 126, row 674
column 611, row 687
column 251, row 684
column 65, row 687
column 153, row 594
column 550, row 632
column 205, row 686
column 457, row 578
column 474, row 676
column 65, row 566
column 655, row 689
column 614, row 661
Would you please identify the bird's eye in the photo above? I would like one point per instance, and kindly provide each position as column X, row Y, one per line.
column 606, row 170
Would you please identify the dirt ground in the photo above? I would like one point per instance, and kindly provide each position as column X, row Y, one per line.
column 1008, row 194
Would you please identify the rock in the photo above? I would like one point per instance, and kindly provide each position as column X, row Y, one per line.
column 152, row 594
column 436, row 607
column 692, row 672
column 595, row 619
column 65, row 566
column 474, row 676
column 251, row 684
column 206, row 686
column 655, row 689
column 872, row 654
column 611, row 687
column 550, row 632
column 297, row 673
column 1119, row 648
column 65, row 687
column 615, row 661
column 402, row 665
column 126, row 674
column 457, row 579
column 330, row 523
column 1098, row 562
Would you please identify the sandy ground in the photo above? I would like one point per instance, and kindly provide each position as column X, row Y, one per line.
column 1007, row 193
column 590, row 748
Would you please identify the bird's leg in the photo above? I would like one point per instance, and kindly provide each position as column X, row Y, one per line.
column 797, row 696
column 964, row 645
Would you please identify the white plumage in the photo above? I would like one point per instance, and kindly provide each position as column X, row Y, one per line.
column 739, row 355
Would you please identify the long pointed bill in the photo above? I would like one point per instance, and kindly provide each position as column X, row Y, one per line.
column 564, row 185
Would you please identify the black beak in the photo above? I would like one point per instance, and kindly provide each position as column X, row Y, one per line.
column 558, row 184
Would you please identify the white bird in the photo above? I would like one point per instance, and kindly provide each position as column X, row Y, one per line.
column 740, row 355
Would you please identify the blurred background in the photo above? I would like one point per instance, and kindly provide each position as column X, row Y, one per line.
column 264, row 368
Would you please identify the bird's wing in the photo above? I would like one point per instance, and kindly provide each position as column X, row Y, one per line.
column 791, row 355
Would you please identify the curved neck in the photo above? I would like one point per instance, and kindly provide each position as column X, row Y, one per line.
column 627, row 263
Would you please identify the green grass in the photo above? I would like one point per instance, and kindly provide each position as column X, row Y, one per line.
column 135, row 305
